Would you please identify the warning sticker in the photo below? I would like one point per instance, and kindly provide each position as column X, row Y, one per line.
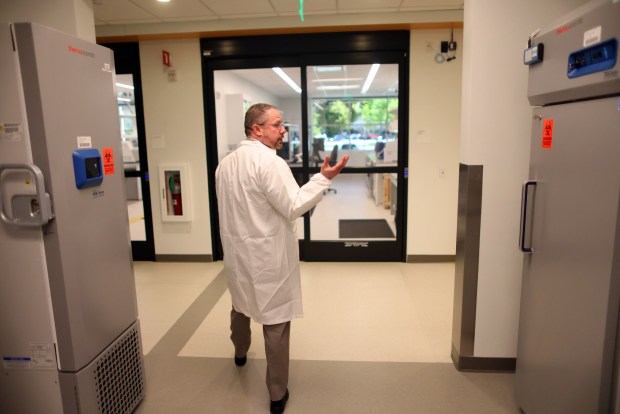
column 547, row 133
column 108, row 161
column 11, row 131
column 42, row 355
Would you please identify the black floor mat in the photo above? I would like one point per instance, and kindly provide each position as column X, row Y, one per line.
column 365, row 229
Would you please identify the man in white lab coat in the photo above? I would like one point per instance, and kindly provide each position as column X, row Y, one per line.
column 259, row 201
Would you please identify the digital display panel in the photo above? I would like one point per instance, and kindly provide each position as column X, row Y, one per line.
column 93, row 167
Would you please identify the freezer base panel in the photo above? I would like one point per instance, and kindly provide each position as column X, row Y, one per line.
column 111, row 384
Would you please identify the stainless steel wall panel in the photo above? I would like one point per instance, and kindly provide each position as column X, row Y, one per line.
column 467, row 257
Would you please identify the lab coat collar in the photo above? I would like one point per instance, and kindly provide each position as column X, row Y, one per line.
column 256, row 143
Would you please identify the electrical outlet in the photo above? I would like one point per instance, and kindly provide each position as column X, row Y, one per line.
column 442, row 172
column 429, row 44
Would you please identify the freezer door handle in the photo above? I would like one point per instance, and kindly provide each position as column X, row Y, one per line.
column 524, row 226
column 28, row 210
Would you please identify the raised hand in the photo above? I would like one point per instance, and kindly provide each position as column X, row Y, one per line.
column 331, row 172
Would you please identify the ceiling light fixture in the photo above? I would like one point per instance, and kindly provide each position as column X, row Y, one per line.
column 124, row 85
column 336, row 87
column 321, row 69
column 286, row 79
column 371, row 76
column 337, row 80
column 163, row 1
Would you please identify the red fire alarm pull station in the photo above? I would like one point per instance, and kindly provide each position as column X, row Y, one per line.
column 165, row 58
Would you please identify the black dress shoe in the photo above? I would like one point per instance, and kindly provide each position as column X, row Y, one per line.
column 241, row 361
column 277, row 407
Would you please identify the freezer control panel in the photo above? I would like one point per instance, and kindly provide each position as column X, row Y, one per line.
column 87, row 167
column 596, row 58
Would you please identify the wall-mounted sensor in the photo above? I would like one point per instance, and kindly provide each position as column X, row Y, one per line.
column 533, row 54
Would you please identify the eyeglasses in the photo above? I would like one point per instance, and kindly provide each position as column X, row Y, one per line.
column 277, row 126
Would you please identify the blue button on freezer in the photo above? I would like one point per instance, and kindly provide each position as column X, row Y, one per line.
column 87, row 167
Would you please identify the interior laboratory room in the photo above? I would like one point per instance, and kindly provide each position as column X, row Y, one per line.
column 421, row 266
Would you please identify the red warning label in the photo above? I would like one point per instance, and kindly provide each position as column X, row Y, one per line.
column 108, row 161
column 547, row 133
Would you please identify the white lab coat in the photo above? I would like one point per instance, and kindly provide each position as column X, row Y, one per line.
column 258, row 202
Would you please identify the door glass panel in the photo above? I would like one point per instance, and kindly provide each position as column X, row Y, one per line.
column 238, row 89
column 131, row 156
column 353, row 110
column 357, row 207
column 135, row 208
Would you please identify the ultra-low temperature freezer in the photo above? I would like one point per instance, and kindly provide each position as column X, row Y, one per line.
column 568, row 349
column 69, row 333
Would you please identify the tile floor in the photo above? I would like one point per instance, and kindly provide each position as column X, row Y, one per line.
column 376, row 338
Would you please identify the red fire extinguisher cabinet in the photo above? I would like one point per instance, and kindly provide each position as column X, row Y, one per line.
column 174, row 185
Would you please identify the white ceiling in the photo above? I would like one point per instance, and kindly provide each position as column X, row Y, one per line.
column 111, row 12
column 115, row 13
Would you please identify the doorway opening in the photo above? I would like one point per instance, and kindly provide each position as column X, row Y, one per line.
column 133, row 145
column 350, row 98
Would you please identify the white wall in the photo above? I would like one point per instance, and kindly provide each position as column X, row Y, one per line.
column 174, row 111
column 434, row 107
column 495, row 133
column 74, row 17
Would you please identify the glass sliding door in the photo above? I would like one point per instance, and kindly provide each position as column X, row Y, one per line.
column 353, row 110
column 337, row 101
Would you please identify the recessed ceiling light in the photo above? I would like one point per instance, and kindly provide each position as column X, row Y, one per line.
column 322, row 69
column 336, row 87
column 371, row 76
column 287, row 79
column 124, row 85
column 337, row 80
column 163, row 1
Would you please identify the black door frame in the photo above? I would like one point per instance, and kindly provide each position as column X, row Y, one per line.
column 127, row 61
column 302, row 51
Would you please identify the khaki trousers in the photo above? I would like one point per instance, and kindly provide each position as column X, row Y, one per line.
column 277, row 341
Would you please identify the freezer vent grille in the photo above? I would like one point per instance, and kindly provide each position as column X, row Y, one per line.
column 119, row 376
